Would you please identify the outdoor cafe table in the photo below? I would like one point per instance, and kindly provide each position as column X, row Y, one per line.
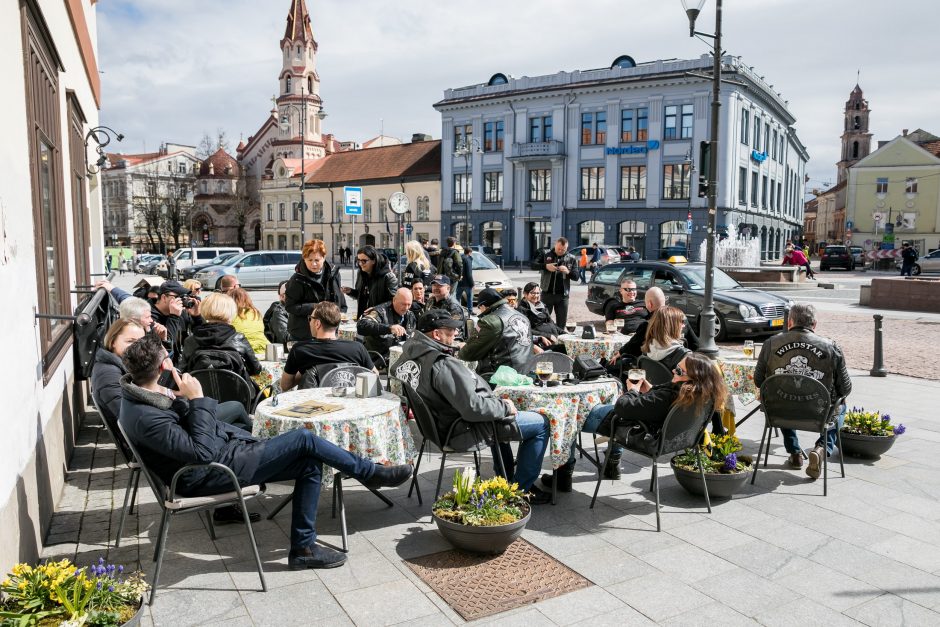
column 270, row 371
column 394, row 354
column 567, row 407
column 603, row 345
column 369, row 427
column 738, row 373
column 347, row 331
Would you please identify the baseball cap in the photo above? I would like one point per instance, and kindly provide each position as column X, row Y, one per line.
column 440, row 279
column 488, row 297
column 173, row 287
column 438, row 319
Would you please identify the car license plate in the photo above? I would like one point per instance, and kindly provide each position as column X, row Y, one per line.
column 777, row 323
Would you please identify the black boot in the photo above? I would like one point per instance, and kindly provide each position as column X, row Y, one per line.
column 564, row 478
column 612, row 470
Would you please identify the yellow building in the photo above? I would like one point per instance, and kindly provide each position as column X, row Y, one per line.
column 893, row 195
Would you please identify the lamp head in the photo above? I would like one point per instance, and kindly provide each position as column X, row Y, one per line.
column 692, row 9
column 321, row 114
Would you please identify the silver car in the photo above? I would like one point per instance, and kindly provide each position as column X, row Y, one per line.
column 257, row 269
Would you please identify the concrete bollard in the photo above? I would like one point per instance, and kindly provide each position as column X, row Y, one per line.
column 878, row 367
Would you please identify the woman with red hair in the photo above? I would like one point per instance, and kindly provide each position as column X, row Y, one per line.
column 314, row 280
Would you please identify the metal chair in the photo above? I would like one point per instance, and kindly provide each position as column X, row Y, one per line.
column 793, row 401
column 172, row 504
column 560, row 362
column 312, row 376
column 656, row 373
column 683, row 429
column 225, row 385
column 125, row 452
column 344, row 376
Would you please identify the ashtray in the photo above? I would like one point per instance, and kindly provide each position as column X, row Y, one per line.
column 339, row 391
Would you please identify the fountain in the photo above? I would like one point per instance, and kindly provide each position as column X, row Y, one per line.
column 734, row 251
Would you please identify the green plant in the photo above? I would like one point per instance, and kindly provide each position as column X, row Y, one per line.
column 862, row 422
column 720, row 455
column 481, row 503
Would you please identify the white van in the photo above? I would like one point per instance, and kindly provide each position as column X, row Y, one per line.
column 184, row 257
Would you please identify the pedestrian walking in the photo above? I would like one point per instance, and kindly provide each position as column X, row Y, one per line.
column 908, row 257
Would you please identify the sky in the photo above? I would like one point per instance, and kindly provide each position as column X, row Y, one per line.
column 175, row 69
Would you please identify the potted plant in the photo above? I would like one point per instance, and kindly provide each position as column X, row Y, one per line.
column 868, row 433
column 60, row 593
column 481, row 516
column 726, row 471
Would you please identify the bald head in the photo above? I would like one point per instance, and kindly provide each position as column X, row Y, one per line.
column 655, row 298
column 402, row 300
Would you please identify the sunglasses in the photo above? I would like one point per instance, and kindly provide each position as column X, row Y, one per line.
column 678, row 371
column 627, row 289
column 360, row 260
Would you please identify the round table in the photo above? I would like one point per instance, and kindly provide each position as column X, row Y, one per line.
column 602, row 346
column 738, row 373
column 369, row 427
column 347, row 331
column 395, row 353
column 270, row 371
column 566, row 406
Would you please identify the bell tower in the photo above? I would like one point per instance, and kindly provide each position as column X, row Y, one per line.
column 856, row 140
column 298, row 101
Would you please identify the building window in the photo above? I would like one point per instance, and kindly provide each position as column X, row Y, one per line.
column 855, row 150
column 462, row 183
column 540, row 129
column 773, row 146
column 633, row 182
column 463, row 133
column 282, row 242
column 181, row 167
column 755, row 188
column 773, row 196
column 270, row 212
column 540, row 185
column 424, row 209
column 493, row 136
column 151, row 189
column 881, row 186
column 642, row 124
column 910, row 186
column 670, row 121
column 742, row 186
column 688, row 119
column 338, row 210
column 626, row 125
column 317, row 216
column 677, row 178
column 493, row 187
column 590, row 231
column 293, row 212
column 745, row 126
column 287, row 85
column 383, row 210
column 763, row 192
column 281, row 213
column 367, row 212
column 779, row 195
column 756, row 133
column 270, row 242
column 594, row 128
column 592, row 183
column 295, row 242
column 780, row 151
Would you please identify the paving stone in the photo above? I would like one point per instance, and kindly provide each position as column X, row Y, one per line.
column 889, row 609
column 297, row 604
column 710, row 615
column 829, row 587
column 608, row 566
column 524, row 617
column 659, row 597
column 911, row 551
column 744, row 592
column 188, row 607
column 803, row 612
column 688, row 563
column 386, row 604
column 575, row 606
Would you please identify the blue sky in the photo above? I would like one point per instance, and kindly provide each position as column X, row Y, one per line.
column 173, row 68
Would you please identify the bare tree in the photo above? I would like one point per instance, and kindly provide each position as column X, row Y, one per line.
column 208, row 145
column 162, row 207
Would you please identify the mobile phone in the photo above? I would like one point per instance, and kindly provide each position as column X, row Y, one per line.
column 166, row 379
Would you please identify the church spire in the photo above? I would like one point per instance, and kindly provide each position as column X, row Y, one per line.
column 298, row 23
column 856, row 138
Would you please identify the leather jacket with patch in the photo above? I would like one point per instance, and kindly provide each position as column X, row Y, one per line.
column 800, row 351
column 504, row 338
column 375, row 325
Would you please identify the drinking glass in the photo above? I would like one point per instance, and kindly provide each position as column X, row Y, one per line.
column 749, row 348
column 619, row 324
column 611, row 326
column 544, row 371
column 289, row 345
column 635, row 375
column 570, row 328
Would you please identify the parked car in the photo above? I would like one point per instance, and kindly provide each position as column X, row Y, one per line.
column 740, row 311
column 489, row 252
column 487, row 274
column 184, row 258
column 928, row 263
column 150, row 265
column 834, row 256
column 190, row 272
column 390, row 253
column 257, row 269
column 858, row 256
column 609, row 253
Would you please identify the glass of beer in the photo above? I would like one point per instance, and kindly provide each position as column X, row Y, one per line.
column 544, row 371
column 749, row 348
column 570, row 327
column 619, row 322
column 611, row 326
column 635, row 375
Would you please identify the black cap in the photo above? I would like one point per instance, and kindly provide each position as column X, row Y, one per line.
column 438, row 319
column 440, row 279
column 488, row 297
column 173, row 287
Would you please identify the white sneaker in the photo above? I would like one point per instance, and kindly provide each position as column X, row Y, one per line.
column 815, row 462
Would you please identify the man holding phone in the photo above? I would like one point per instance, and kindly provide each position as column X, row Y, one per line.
column 558, row 266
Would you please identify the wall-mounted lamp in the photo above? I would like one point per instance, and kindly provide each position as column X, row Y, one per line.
column 102, row 136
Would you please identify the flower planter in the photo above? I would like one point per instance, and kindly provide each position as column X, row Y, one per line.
column 859, row 445
column 134, row 621
column 720, row 485
column 490, row 540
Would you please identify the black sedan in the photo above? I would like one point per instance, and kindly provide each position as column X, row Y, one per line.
column 740, row 311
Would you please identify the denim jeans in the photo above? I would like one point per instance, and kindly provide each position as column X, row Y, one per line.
column 525, row 469
column 297, row 455
column 792, row 443
column 591, row 423
column 468, row 290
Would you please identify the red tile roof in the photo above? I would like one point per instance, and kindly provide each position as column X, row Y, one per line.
column 298, row 22
column 387, row 162
column 931, row 147
column 219, row 161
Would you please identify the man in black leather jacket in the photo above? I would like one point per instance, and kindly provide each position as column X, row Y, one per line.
column 557, row 266
column 275, row 318
column 504, row 336
column 388, row 324
column 801, row 351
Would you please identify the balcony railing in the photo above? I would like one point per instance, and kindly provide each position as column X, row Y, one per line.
column 538, row 150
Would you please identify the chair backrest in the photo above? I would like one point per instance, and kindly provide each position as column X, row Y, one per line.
column 683, row 428
column 794, row 401
column 426, row 424
column 160, row 489
column 224, row 385
column 342, row 377
column 111, row 425
column 378, row 361
column 560, row 362
column 656, row 373
column 313, row 375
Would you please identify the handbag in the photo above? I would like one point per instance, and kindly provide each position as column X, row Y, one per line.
column 587, row 368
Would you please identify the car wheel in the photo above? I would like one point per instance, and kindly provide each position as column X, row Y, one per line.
column 916, row 269
column 721, row 329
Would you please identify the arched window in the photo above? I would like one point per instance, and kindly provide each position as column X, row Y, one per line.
column 383, row 210
column 309, row 84
column 632, row 233
column 858, row 122
column 855, row 150
column 493, row 236
column 590, row 231
column 287, row 85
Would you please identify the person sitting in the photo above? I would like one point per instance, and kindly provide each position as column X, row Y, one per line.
column 228, row 283
column 461, row 400
column 375, row 281
column 418, row 298
column 418, row 269
column 544, row 332
column 503, row 336
column 322, row 347
column 173, row 429
column 388, row 324
column 511, row 296
column 315, row 280
column 138, row 310
column 275, row 318
column 248, row 320
column 108, row 368
column 655, row 299
column 663, row 338
column 169, row 310
column 216, row 344
column 795, row 257
column 441, row 298
column 627, row 308
column 695, row 382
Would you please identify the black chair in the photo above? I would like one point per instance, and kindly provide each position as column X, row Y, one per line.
column 684, row 428
column 172, row 504
column 430, row 434
column 344, row 376
column 312, row 376
column 124, row 451
column 656, row 373
column 381, row 364
column 225, row 385
column 560, row 362
column 793, row 401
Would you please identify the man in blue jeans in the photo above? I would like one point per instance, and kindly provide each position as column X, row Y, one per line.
column 801, row 351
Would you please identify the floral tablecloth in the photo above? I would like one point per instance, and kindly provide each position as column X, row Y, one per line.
column 270, row 371
column 347, row 331
column 394, row 354
column 738, row 373
column 602, row 346
column 567, row 407
column 370, row 427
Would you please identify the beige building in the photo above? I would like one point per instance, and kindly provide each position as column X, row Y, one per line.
column 414, row 169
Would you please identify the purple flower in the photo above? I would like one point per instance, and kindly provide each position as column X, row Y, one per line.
column 885, row 418
column 120, row 569
column 101, row 560
column 731, row 461
column 98, row 585
column 900, row 429
column 110, row 588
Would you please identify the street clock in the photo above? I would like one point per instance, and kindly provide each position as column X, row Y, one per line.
column 399, row 203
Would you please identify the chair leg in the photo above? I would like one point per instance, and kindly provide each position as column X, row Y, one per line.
column 124, row 510
column 136, row 473
column 414, row 476
column 767, row 450
column 580, row 446
column 281, row 505
column 759, row 451
column 656, row 484
column 254, row 543
column 841, row 452
column 158, row 555
column 440, row 475
column 701, row 469
column 211, row 524
column 476, row 463
column 338, row 483
column 600, row 475
column 164, row 521
column 825, row 461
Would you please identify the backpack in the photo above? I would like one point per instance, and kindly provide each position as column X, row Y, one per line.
column 219, row 359
column 451, row 266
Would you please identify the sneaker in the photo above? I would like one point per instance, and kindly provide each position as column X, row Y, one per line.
column 388, row 476
column 539, row 497
column 315, row 556
column 230, row 514
column 815, row 462
column 796, row 460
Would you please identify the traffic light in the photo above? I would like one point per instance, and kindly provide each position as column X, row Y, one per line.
column 704, row 167
column 702, row 186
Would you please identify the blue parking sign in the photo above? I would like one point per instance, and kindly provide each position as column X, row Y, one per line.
column 352, row 197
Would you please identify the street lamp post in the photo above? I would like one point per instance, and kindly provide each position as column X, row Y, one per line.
column 466, row 148
column 285, row 125
column 707, row 318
